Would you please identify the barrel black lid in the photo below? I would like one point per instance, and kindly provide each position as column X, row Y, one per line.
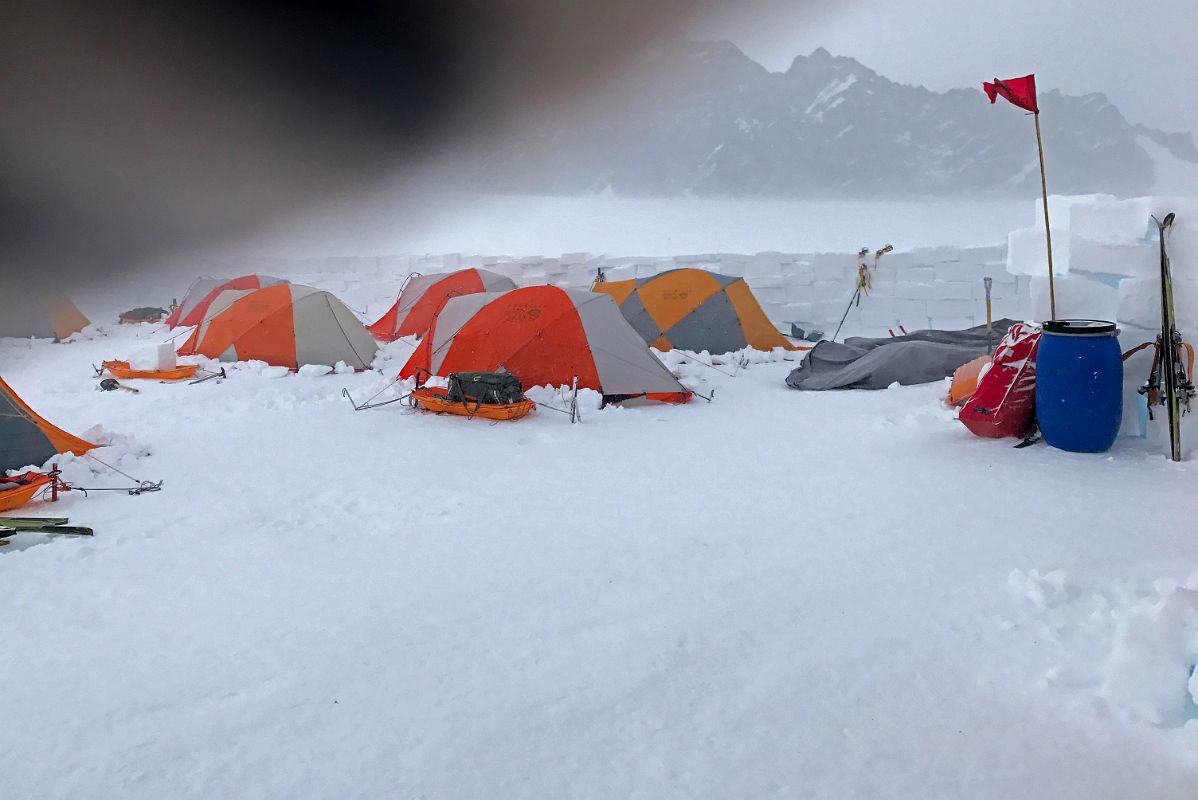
column 1079, row 327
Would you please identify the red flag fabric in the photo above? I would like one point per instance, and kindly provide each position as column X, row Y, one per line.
column 1020, row 91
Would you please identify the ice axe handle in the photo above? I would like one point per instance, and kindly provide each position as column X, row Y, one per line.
column 988, row 283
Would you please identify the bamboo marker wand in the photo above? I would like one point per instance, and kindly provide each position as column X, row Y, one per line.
column 988, row 282
column 1052, row 294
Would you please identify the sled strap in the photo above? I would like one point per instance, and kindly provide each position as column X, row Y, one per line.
column 1128, row 354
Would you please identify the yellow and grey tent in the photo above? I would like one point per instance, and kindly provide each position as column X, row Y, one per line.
column 41, row 315
column 692, row 309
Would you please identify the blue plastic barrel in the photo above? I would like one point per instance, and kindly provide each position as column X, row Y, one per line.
column 1079, row 384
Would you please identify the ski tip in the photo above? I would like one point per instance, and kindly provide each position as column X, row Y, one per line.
column 1164, row 223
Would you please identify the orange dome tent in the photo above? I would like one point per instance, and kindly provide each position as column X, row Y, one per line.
column 545, row 336
column 26, row 438
column 201, row 294
column 424, row 295
column 692, row 309
column 287, row 325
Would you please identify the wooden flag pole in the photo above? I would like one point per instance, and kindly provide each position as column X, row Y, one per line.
column 1052, row 294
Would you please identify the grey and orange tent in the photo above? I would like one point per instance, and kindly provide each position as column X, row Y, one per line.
column 201, row 294
column 287, row 325
column 42, row 315
column 545, row 336
column 26, row 438
column 692, row 309
column 424, row 295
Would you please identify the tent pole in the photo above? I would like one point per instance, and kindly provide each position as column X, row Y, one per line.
column 1052, row 294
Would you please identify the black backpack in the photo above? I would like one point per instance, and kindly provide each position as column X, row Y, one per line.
column 484, row 387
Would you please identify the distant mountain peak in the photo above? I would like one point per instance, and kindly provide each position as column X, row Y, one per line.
column 715, row 121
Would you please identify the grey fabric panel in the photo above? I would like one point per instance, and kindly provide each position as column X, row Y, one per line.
column 634, row 311
column 494, row 282
column 22, row 443
column 712, row 326
column 413, row 290
column 327, row 332
column 22, row 317
column 921, row 357
column 623, row 360
column 456, row 312
column 198, row 291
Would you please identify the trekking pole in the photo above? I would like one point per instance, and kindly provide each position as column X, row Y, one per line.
column 988, row 282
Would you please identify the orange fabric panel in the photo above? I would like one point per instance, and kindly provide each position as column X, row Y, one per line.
column 384, row 327
column 258, row 326
column 63, row 442
column 620, row 290
column 65, row 318
column 670, row 397
column 421, row 359
column 760, row 333
column 663, row 344
column 536, row 335
column 670, row 297
column 420, row 317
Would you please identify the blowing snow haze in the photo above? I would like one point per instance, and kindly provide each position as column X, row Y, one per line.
column 132, row 128
column 135, row 130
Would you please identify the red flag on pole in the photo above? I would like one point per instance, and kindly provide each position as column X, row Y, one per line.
column 1020, row 91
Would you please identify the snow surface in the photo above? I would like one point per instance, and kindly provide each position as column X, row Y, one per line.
column 775, row 594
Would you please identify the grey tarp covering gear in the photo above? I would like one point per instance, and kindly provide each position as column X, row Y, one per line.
column 919, row 357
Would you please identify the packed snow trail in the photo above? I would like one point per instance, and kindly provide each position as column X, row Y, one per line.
column 777, row 594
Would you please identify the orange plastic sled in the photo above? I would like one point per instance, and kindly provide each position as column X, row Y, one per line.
column 122, row 370
column 965, row 381
column 24, row 492
column 435, row 400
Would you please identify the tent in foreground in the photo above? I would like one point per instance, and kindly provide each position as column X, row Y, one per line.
column 201, row 294
column 287, row 325
column 692, row 309
column 918, row 357
column 424, row 295
column 44, row 316
column 26, row 438
column 546, row 336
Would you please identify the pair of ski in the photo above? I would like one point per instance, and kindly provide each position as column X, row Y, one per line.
column 11, row 526
column 1169, row 383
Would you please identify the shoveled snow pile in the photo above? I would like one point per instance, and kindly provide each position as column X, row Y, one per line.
column 773, row 594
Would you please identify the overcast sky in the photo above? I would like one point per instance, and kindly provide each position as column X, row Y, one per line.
column 1141, row 55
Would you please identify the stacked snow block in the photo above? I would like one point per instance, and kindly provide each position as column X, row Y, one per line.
column 1106, row 259
column 1106, row 264
column 941, row 287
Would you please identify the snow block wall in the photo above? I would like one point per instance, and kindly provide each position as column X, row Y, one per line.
column 1106, row 265
column 927, row 287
